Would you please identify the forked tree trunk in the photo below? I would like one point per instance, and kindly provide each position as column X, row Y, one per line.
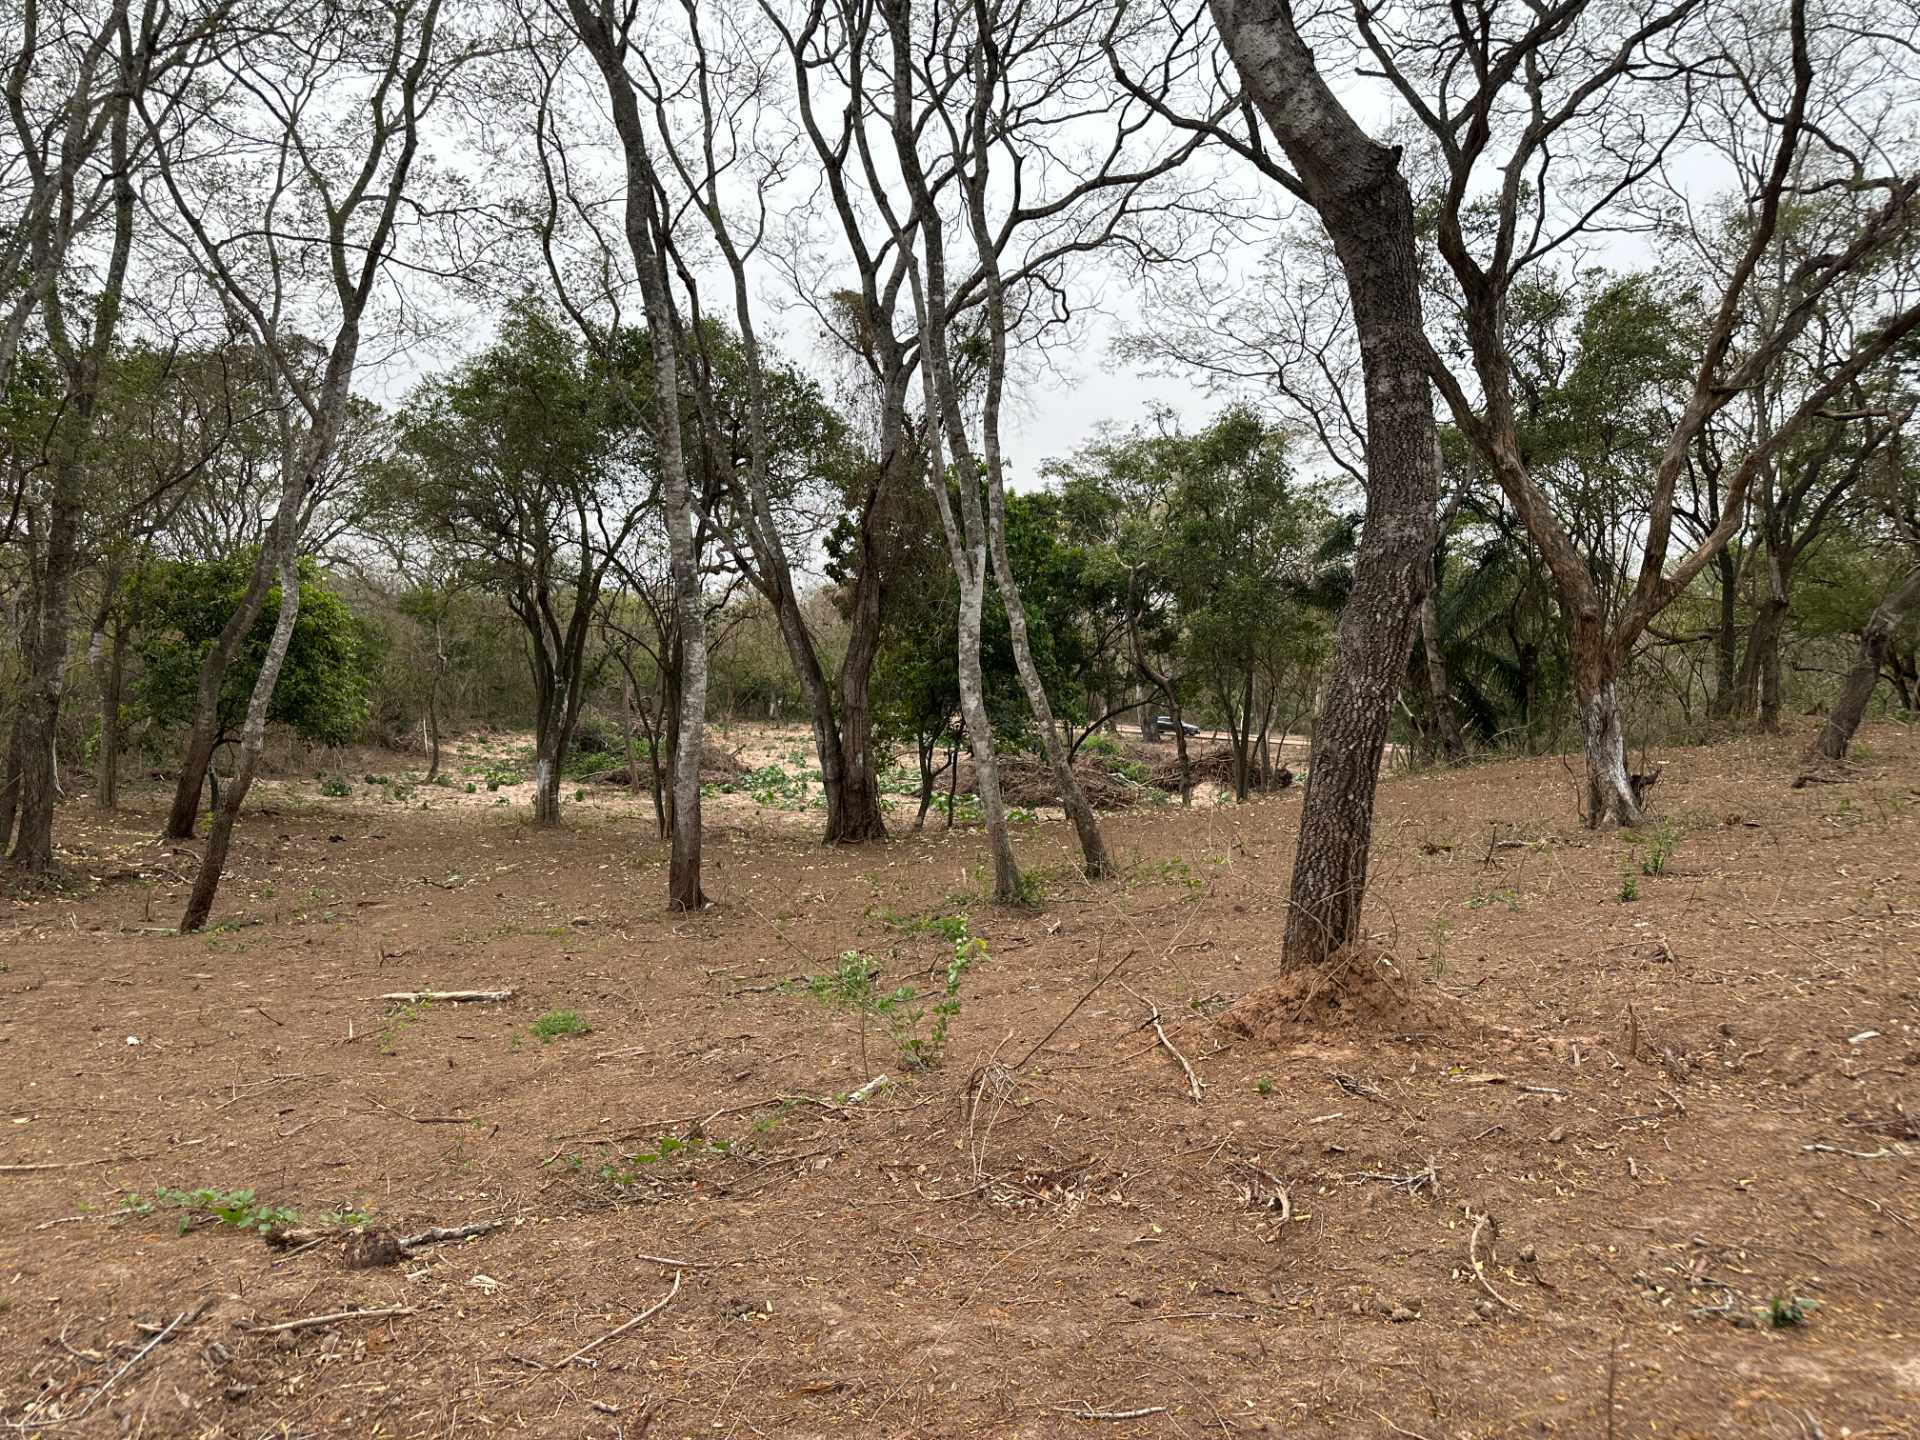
column 1356, row 186
column 1876, row 640
column 252, row 739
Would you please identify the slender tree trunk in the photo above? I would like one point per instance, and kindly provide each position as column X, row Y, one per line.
column 626, row 732
column 1095, row 862
column 112, row 687
column 1439, row 688
column 203, row 732
column 1726, row 638
column 252, row 740
column 1876, row 639
column 924, row 747
column 10, row 777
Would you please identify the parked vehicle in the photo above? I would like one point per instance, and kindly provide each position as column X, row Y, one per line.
column 1163, row 727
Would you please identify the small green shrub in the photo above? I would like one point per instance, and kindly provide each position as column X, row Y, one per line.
column 1263, row 1086
column 1661, row 844
column 1784, row 1310
column 336, row 787
column 556, row 1023
column 1629, row 878
column 237, row 1208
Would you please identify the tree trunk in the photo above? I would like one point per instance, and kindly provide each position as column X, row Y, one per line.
column 626, row 734
column 1603, row 733
column 252, row 740
column 1439, row 688
column 49, row 640
column 1726, row 638
column 924, row 747
column 113, row 686
column 862, row 817
column 1876, row 639
column 1364, row 201
column 203, row 733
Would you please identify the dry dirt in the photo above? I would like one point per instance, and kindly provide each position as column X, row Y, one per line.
column 1537, row 1163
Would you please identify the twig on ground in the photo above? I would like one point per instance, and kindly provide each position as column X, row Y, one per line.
column 1428, row 1177
column 1479, row 1270
column 449, row 997
column 423, row 1119
column 1153, row 1019
column 1087, row 1412
column 1094, row 989
column 619, row 1330
column 314, row 1322
column 1883, row 1153
column 70, row 1164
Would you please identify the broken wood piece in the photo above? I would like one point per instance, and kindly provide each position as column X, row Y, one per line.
column 440, row 1234
column 450, row 997
column 313, row 1322
column 1087, row 1412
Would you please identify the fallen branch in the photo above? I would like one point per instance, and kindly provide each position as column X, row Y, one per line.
column 1479, row 1271
column 440, row 1234
column 1087, row 1412
column 619, row 1330
column 70, row 1164
column 450, row 997
column 180, row 1322
column 314, row 1322
column 1881, row 1154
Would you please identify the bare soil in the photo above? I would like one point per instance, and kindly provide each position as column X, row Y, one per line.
column 1544, row 1161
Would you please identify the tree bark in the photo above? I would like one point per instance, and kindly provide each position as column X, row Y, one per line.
column 203, row 732
column 1356, row 186
column 112, row 687
column 252, row 740
column 1439, row 687
column 1726, row 639
column 49, row 641
column 1876, row 640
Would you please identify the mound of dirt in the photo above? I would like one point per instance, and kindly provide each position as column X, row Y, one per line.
column 716, row 767
column 1364, row 990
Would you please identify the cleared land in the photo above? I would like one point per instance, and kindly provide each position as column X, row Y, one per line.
column 1577, row 1154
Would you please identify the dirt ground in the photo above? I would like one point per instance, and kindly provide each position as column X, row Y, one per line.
column 1547, row 1161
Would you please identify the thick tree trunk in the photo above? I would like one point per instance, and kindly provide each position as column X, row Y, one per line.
column 862, row 817
column 46, row 654
column 1610, row 797
column 252, row 740
column 1876, row 639
column 1356, row 186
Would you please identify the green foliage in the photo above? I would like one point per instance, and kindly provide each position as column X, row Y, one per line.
column 1629, row 879
column 179, row 608
column 624, row 1171
column 335, row 787
column 1263, row 1086
column 1788, row 1310
column 918, row 1030
column 237, row 1208
column 557, row 1023
column 1661, row 843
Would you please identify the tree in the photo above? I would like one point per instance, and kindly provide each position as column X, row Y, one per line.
column 1355, row 185
column 524, row 467
column 367, row 80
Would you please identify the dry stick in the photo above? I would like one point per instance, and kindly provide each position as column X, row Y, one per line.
column 1881, row 1154
column 423, row 1119
column 1479, row 1271
column 180, row 1321
column 71, row 1164
column 1087, row 1412
column 451, row 997
column 313, row 1322
column 1193, row 1080
column 440, row 1233
column 620, row 1330
column 1074, row 1011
